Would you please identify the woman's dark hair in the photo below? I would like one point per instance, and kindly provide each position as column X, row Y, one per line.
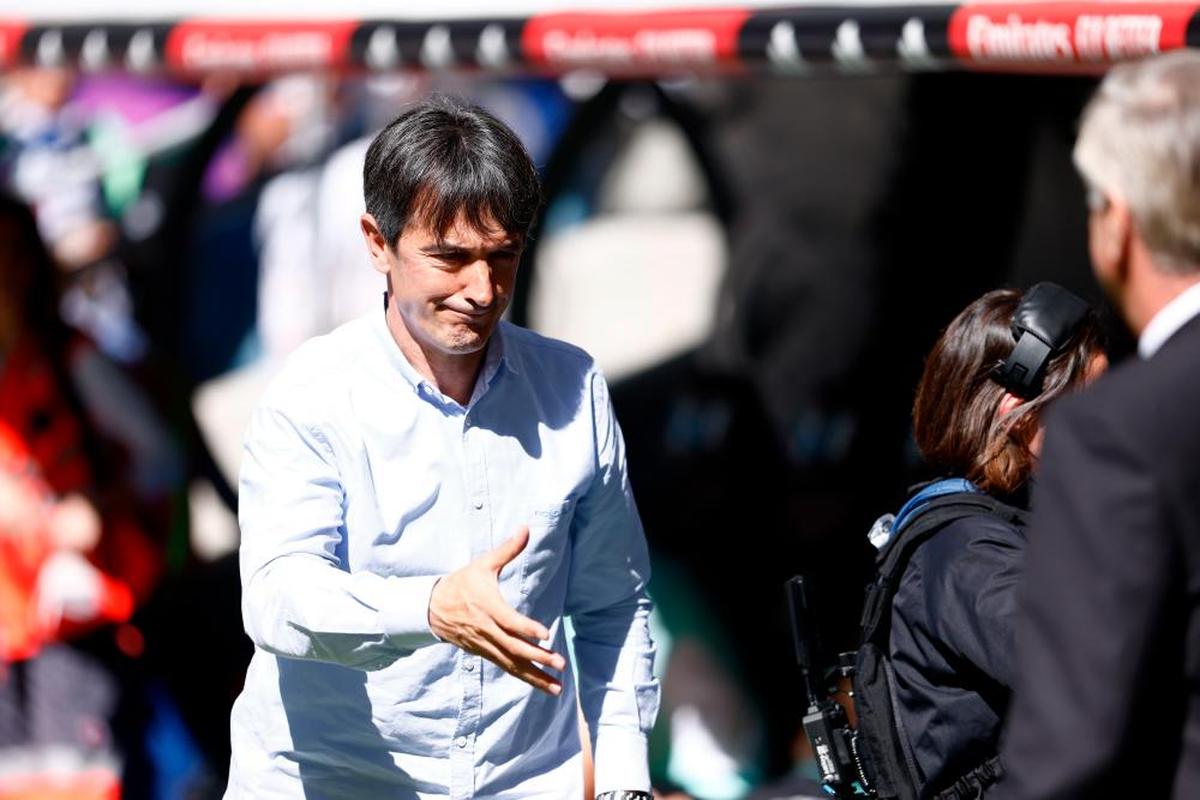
column 955, row 420
column 444, row 157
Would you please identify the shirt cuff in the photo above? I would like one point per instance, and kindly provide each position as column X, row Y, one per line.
column 406, row 618
column 620, row 758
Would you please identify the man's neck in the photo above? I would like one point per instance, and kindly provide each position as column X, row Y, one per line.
column 1171, row 312
column 454, row 375
column 1157, row 290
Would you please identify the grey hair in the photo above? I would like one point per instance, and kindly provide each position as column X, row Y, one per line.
column 1139, row 140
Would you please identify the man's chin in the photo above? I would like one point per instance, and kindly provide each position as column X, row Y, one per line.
column 463, row 348
column 465, row 342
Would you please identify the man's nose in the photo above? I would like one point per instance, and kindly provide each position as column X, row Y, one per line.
column 479, row 289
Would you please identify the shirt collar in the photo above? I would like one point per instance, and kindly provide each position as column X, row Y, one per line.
column 1170, row 318
column 498, row 355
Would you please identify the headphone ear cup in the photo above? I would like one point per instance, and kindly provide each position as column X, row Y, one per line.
column 1043, row 324
column 1022, row 372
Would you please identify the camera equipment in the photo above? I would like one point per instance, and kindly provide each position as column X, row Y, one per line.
column 833, row 741
column 1043, row 325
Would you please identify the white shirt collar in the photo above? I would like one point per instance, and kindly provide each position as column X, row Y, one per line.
column 1170, row 318
column 497, row 354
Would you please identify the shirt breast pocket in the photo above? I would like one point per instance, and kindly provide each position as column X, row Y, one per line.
column 548, row 548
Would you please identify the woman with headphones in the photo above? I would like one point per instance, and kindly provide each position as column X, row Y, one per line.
column 950, row 559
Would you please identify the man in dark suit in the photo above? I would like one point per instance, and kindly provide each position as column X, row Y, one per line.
column 1108, row 693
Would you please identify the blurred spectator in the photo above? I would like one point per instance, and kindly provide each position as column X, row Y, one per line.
column 79, row 450
column 50, row 166
column 311, row 275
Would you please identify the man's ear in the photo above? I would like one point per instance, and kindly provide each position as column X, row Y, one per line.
column 1122, row 232
column 377, row 243
column 1111, row 237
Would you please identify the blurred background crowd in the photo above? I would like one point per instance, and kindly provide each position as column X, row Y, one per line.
column 758, row 264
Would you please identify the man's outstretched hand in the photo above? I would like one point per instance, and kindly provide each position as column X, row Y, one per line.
column 466, row 609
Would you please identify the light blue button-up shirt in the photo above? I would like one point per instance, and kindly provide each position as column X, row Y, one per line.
column 362, row 484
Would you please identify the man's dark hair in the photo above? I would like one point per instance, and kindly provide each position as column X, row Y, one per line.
column 444, row 157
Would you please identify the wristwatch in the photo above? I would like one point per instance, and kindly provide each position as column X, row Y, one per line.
column 625, row 794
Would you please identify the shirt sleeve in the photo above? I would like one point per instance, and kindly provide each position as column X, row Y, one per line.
column 299, row 598
column 610, row 611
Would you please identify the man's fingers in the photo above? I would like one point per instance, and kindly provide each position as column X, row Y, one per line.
column 519, row 649
column 520, row 659
column 523, row 650
column 510, row 549
column 521, row 669
column 529, row 673
column 518, row 625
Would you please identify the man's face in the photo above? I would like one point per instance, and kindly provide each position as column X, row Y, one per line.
column 451, row 290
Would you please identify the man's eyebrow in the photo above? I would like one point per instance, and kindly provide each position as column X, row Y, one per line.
column 452, row 247
column 443, row 247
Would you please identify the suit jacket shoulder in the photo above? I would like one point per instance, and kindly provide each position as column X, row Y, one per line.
column 1149, row 409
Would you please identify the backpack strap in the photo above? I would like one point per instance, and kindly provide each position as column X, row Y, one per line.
column 974, row 783
column 917, row 526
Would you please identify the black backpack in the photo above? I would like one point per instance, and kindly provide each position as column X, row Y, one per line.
column 891, row 766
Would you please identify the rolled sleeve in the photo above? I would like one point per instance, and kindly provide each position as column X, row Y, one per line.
column 406, row 617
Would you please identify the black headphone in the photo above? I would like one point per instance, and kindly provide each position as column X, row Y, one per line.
column 1043, row 325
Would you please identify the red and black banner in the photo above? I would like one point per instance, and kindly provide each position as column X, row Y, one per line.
column 1064, row 36
column 1069, row 33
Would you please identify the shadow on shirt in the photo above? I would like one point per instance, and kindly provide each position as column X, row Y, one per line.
column 338, row 751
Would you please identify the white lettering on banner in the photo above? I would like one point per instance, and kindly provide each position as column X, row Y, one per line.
column 204, row 51
column 297, row 48
column 1116, row 36
column 585, row 47
column 688, row 45
column 685, row 45
column 1016, row 40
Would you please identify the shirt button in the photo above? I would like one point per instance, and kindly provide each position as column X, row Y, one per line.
column 469, row 665
column 478, row 503
column 462, row 742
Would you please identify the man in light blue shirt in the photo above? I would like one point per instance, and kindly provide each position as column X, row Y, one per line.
column 425, row 493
